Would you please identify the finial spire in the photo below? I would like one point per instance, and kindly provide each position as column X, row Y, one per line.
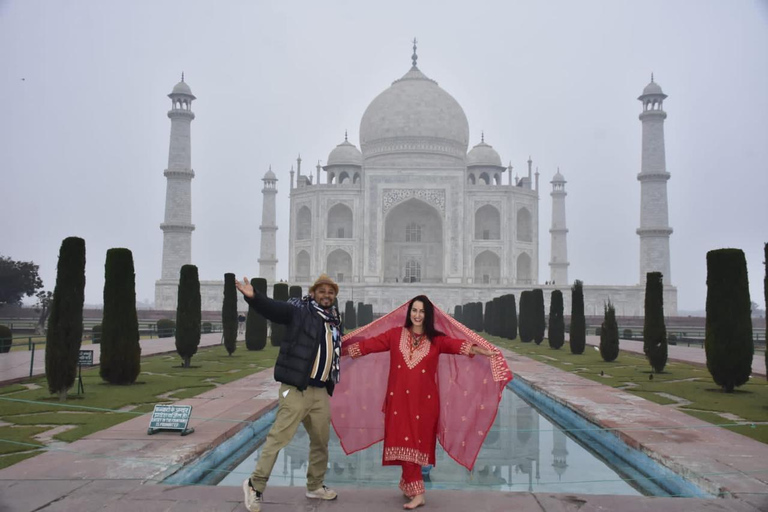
column 345, row 135
column 182, row 76
column 414, row 57
column 270, row 167
column 482, row 136
column 651, row 76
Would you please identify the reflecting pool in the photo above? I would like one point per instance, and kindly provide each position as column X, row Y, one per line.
column 523, row 452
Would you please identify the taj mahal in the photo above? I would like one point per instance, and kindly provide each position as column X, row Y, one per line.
column 415, row 210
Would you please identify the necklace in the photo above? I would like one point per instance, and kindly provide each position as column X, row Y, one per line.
column 416, row 339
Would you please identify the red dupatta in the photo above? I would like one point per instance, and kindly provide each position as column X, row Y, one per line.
column 470, row 391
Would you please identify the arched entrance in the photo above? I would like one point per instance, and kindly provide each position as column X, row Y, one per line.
column 413, row 239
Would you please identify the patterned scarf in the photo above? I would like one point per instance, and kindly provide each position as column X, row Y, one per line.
column 330, row 317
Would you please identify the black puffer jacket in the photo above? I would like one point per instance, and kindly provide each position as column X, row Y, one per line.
column 299, row 347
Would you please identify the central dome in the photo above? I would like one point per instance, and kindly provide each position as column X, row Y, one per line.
column 414, row 115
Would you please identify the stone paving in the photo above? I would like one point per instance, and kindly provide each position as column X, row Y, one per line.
column 120, row 468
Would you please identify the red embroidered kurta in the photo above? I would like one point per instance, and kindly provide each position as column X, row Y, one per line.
column 412, row 404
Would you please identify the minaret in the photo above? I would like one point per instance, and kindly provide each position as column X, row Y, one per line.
column 559, row 452
column 654, row 228
column 177, row 227
column 558, row 263
column 267, row 259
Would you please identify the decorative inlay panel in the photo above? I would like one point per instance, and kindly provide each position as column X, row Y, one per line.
column 394, row 196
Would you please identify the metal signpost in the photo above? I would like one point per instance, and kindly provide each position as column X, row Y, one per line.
column 85, row 359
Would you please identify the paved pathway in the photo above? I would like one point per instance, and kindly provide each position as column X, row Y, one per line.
column 118, row 469
column 682, row 354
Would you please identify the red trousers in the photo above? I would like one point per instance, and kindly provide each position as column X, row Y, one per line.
column 411, row 483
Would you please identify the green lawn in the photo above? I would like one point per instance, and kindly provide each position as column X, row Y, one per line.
column 161, row 376
column 681, row 383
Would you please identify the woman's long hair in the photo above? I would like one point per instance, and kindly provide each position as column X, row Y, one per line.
column 429, row 317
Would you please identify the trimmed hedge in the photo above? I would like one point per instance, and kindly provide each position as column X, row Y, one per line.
column 229, row 322
column 188, row 314
column 578, row 330
column 6, row 339
column 65, row 325
column 166, row 328
column 609, row 335
column 279, row 292
column 728, row 338
column 96, row 333
column 556, row 320
column 120, row 361
column 255, row 323
column 654, row 328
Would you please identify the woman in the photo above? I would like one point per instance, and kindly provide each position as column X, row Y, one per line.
column 414, row 396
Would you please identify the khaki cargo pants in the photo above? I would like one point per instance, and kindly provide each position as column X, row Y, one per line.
column 310, row 407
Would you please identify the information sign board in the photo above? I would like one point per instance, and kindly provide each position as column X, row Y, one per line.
column 170, row 417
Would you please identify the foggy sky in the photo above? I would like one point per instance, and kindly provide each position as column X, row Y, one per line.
column 84, row 134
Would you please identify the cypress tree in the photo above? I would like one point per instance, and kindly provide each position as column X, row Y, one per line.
column 65, row 323
column 498, row 317
column 510, row 316
column 765, row 298
column 279, row 292
column 654, row 329
column 556, row 320
column 457, row 313
column 609, row 335
column 229, row 314
column 728, row 337
column 294, row 292
column 368, row 308
column 578, row 334
column 487, row 317
column 188, row 314
column 527, row 329
column 350, row 316
column 120, row 350
column 255, row 324
column 478, row 315
column 360, row 315
column 539, row 316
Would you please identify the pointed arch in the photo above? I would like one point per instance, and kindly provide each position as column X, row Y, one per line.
column 339, row 222
column 339, row 265
column 524, row 275
column 413, row 231
column 487, row 223
column 487, row 268
column 302, row 266
column 524, row 225
column 304, row 224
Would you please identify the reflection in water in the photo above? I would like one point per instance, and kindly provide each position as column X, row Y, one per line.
column 508, row 461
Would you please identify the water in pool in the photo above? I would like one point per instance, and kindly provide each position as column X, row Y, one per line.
column 523, row 452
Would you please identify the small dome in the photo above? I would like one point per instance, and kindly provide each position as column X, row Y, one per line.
column 652, row 88
column 558, row 178
column 345, row 154
column 270, row 175
column 182, row 88
column 483, row 155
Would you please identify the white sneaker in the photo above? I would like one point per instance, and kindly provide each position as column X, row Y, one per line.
column 253, row 498
column 323, row 493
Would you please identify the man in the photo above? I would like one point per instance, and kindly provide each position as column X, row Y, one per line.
column 307, row 368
